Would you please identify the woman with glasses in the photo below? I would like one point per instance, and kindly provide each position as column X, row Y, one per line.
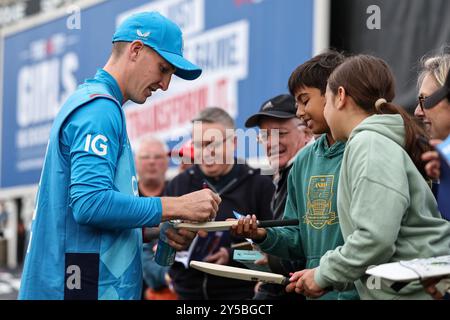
column 434, row 110
column 434, row 106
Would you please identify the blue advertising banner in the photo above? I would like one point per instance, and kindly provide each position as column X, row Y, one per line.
column 247, row 49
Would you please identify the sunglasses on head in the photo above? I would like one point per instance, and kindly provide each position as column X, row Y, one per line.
column 440, row 94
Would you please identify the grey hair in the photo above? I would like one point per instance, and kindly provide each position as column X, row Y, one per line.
column 215, row 115
column 436, row 66
column 152, row 139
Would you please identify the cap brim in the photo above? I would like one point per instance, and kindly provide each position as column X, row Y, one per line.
column 185, row 69
column 253, row 121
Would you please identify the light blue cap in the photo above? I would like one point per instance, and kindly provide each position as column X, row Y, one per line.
column 163, row 36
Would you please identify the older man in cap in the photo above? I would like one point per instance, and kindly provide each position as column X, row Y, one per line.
column 283, row 136
column 86, row 239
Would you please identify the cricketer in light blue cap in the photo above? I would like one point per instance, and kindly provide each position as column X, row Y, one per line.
column 160, row 34
column 86, row 233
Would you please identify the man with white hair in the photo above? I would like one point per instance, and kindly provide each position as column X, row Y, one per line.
column 277, row 118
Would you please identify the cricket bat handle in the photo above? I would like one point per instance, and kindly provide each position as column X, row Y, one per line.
column 278, row 223
column 285, row 281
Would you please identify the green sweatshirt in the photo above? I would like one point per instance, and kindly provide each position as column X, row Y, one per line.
column 311, row 198
column 386, row 210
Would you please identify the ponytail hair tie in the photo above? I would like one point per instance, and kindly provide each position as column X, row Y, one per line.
column 379, row 103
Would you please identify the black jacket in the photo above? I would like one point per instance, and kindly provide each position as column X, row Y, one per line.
column 279, row 198
column 243, row 190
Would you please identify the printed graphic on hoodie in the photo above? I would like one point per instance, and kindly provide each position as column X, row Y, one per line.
column 320, row 194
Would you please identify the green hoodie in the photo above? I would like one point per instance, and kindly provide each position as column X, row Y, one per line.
column 386, row 210
column 311, row 198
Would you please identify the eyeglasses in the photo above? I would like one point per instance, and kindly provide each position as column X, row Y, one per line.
column 440, row 94
column 421, row 100
column 210, row 144
column 265, row 135
column 155, row 157
column 431, row 101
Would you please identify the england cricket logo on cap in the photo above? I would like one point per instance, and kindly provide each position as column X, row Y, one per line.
column 142, row 35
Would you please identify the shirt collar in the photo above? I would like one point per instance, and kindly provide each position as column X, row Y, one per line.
column 114, row 89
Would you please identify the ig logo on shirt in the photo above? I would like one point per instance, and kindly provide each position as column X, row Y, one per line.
column 92, row 144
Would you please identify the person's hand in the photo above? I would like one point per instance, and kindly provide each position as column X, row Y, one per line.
column 220, row 257
column 302, row 282
column 257, row 286
column 248, row 228
column 196, row 206
column 433, row 166
column 430, row 287
column 202, row 233
column 150, row 233
column 291, row 287
column 180, row 239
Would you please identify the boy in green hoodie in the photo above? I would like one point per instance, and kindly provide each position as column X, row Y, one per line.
column 387, row 211
column 313, row 180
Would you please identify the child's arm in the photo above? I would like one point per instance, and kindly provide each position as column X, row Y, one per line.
column 376, row 212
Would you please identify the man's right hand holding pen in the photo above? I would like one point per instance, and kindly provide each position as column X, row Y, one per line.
column 196, row 206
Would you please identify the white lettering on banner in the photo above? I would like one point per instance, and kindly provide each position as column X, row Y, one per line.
column 34, row 136
column 12, row 12
column 93, row 144
column 69, row 81
column 170, row 117
column 189, row 15
column 167, row 113
column 39, row 87
column 222, row 50
column 30, row 164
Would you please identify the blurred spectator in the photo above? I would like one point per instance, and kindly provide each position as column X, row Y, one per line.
column 241, row 188
column 279, row 113
column 151, row 165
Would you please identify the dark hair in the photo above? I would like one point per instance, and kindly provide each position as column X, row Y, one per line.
column 366, row 79
column 315, row 72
